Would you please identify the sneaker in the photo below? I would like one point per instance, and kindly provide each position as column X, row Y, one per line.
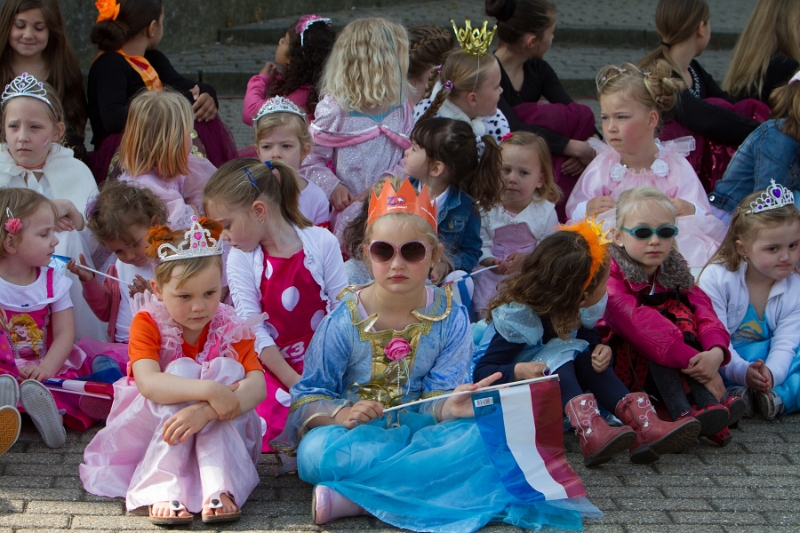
column 9, row 390
column 736, row 409
column 722, row 439
column 712, row 418
column 10, row 425
column 746, row 395
column 40, row 405
column 769, row 405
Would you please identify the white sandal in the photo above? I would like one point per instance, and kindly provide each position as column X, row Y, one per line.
column 769, row 405
column 215, row 502
column 175, row 507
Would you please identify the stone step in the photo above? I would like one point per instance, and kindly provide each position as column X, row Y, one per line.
column 609, row 23
column 228, row 67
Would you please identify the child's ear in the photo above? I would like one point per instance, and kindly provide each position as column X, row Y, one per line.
column 260, row 210
column 436, row 169
column 472, row 100
column 740, row 249
column 617, row 236
column 59, row 131
column 652, row 119
column 10, row 244
column 156, row 289
column 584, row 299
column 531, row 41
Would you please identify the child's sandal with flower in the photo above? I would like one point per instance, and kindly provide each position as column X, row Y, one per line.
column 174, row 507
column 215, row 502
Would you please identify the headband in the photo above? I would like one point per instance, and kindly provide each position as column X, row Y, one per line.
column 305, row 22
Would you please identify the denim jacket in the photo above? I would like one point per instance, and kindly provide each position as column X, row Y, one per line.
column 766, row 154
column 460, row 230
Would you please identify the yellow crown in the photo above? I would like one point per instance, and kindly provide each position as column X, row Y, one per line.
column 474, row 41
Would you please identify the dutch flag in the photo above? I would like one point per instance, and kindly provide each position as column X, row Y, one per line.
column 522, row 429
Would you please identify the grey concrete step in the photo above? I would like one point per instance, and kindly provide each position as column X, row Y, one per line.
column 228, row 67
column 608, row 23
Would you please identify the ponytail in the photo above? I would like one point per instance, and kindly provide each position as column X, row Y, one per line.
column 487, row 184
column 441, row 96
column 240, row 182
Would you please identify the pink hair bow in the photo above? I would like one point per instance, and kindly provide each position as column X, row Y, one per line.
column 507, row 136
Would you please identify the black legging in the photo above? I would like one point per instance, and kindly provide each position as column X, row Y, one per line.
column 670, row 389
column 577, row 376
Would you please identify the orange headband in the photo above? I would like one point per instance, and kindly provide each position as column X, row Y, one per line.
column 595, row 237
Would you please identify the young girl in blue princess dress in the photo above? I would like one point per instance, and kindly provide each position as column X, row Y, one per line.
column 756, row 293
column 391, row 342
column 543, row 321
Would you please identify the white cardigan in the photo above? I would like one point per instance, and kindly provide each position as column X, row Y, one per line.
column 323, row 259
column 731, row 298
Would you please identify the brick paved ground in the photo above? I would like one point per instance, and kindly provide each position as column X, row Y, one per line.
column 751, row 486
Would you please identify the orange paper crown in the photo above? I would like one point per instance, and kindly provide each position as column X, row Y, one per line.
column 404, row 200
column 596, row 238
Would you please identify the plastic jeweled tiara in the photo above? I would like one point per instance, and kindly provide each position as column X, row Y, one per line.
column 198, row 243
column 277, row 104
column 26, row 85
column 774, row 197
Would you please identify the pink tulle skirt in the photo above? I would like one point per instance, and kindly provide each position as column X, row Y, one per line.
column 575, row 121
column 710, row 159
column 212, row 140
column 129, row 458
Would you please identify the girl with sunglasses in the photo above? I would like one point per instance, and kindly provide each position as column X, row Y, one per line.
column 756, row 293
column 543, row 320
column 283, row 273
column 394, row 341
column 661, row 326
column 632, row 105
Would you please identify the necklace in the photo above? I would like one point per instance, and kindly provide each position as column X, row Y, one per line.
column 695, row 89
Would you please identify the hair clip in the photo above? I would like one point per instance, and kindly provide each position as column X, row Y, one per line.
column 646, row 74
column 507, row 136
column 438, row 68
column 658, row 100
column 107, row 10
column 269, row 164
column 448, row 85
column 622, row 70
column 12, row 225
column 251, row 178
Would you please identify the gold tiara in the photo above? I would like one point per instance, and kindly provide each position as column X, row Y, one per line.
column 474, row 41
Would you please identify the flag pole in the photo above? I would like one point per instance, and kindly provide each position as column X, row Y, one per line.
column 463, row 392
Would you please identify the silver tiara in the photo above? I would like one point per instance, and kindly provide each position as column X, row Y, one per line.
column 26, row 85
column 278, row 104
column 198, row 243
column 774, row 197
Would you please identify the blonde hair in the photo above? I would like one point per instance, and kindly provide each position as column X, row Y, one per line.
column 746, row 228
column 55, row 101
column 22, row 203
column 676, row 21
column 160, row 235
column 785, row 103
column 368, row 65
column 267, row 123
column 231, row 186
column 654, row 87
column 631, row 200
column 158, row 125
column 771, row 30
column 466, row 72
column 549, row 190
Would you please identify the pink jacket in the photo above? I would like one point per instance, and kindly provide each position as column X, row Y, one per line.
column 652, row 334
column 104, row 300
column 258, row 91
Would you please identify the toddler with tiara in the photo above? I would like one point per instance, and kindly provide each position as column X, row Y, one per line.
column 182, row 437
column 32, row 157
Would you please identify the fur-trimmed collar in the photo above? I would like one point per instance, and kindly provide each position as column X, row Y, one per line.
column 672, row 274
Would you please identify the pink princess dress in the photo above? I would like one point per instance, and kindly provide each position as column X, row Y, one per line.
column 699, row 235
column 355, row 149
column 129, row 458
column 29, row 309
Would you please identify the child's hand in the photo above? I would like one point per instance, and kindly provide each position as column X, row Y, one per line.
column 269, row 69
column 64, row 224
column 529, row 370
column 362, row 412
column 573, row 166
column 758, row 377
column 204, row 107
column 341, row 197
column 716, row 387
column 513, row 262
column 705, row 365
column 84, row 275
column 601, row 357
column 38, row 372
column 224, row 402
column 69, row 218
column 599, row 205
column 438, row 272
column 187, row 422
column 461, row 406
column 489, row 261
column 139, row 285
column 683, row 207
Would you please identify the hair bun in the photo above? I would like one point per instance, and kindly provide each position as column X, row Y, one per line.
column 213, row 226
column 157, row 236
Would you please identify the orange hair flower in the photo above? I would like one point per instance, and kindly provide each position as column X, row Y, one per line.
column 109, row 10
column 596, row 238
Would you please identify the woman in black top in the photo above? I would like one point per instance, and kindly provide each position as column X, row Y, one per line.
column 718, row 122
column 128, row 63
column 525, row 31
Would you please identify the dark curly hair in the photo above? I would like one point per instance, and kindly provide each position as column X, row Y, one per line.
column 551, row 281
column 306, row 62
